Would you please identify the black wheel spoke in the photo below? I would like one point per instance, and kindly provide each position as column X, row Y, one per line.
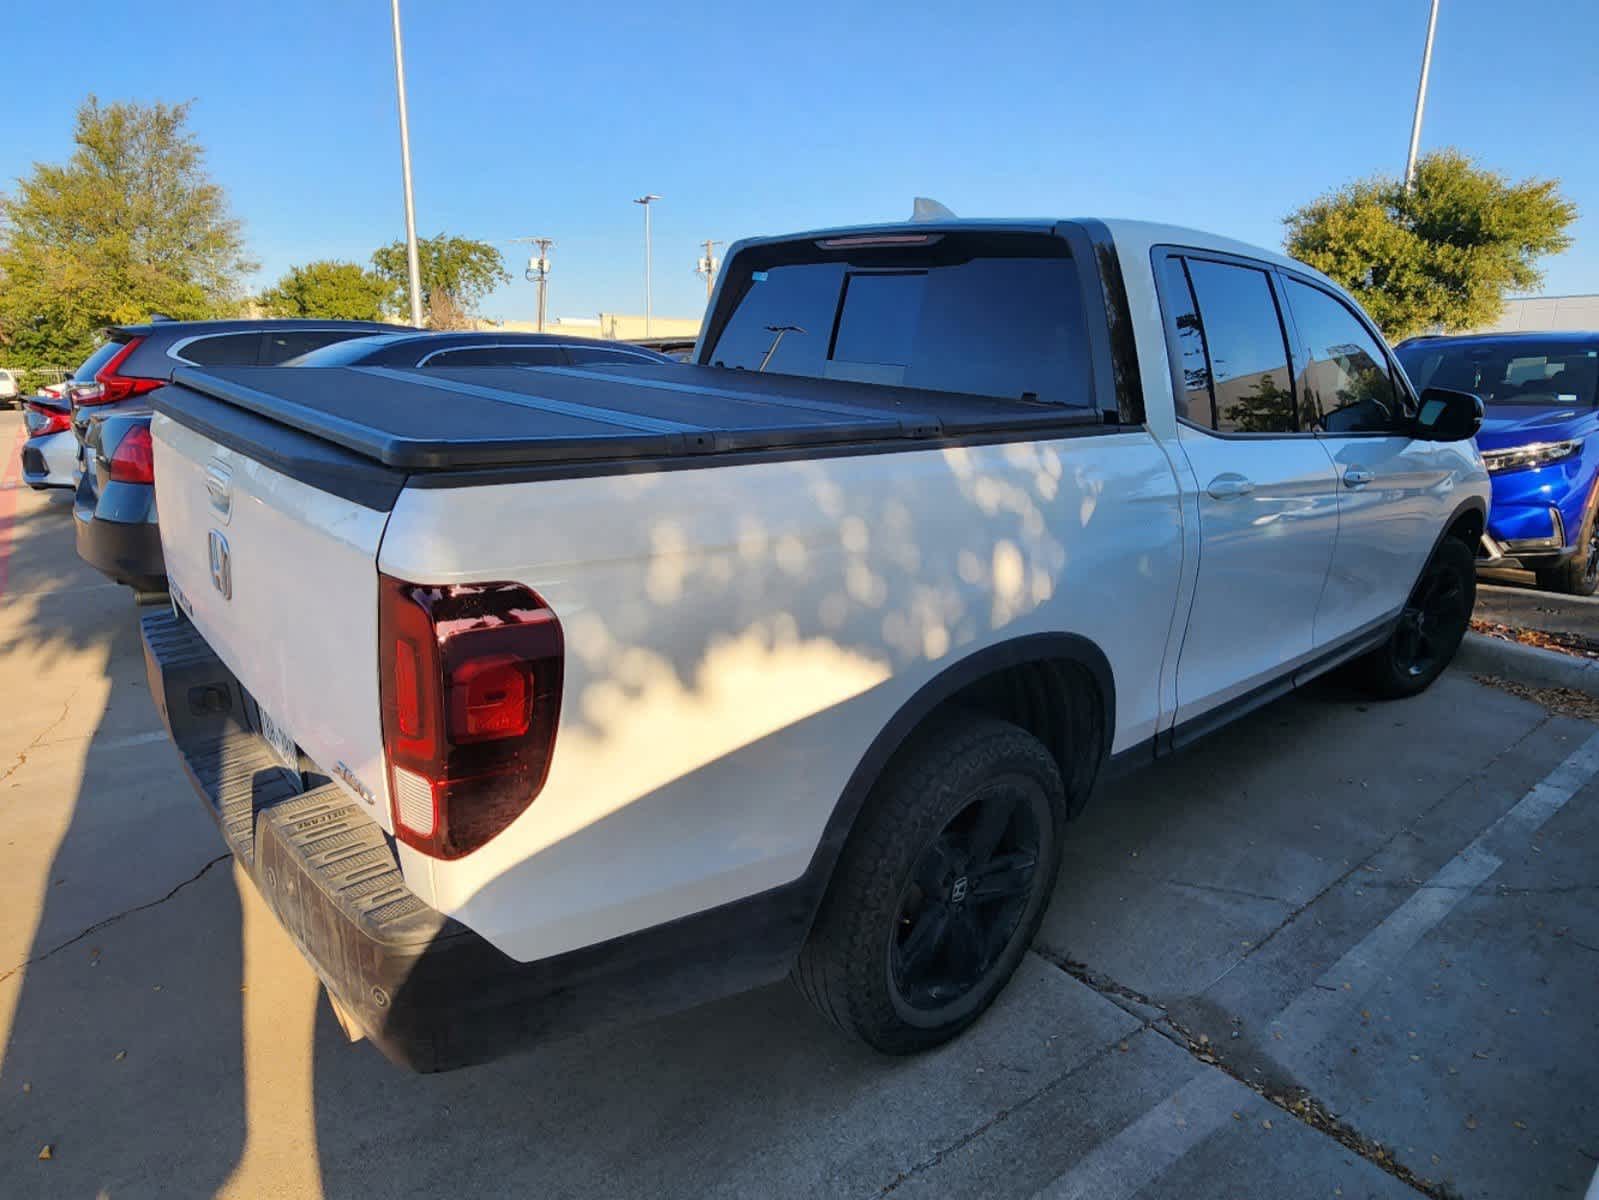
column 993, row 819
column 966, row 944
column 923, row 942
column 1004, row 877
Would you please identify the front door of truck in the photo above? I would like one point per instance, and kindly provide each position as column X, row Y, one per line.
column 1267, row 492
column 1393, row 490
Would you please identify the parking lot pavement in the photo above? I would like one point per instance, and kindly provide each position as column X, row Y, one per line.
column 1339, row 949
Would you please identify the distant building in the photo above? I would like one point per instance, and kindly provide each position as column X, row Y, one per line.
column 1546, row 312
column 625, row 327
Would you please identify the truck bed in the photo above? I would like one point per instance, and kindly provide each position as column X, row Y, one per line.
column 475, row 417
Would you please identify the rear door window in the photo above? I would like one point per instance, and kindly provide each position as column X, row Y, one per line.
column 92, row 364
column 280, row 345
column 1250, row 382
column 498, row 356
column 599, row 354
column 222, row 350
column 1345, row 386
column 987, row 315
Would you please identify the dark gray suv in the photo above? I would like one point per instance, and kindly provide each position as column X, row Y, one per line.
column 136, row 359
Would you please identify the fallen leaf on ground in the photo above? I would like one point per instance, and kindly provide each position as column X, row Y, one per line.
column 1471, row 1122
column 47, row 1151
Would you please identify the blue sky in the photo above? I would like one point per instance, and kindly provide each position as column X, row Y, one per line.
column 753, row 118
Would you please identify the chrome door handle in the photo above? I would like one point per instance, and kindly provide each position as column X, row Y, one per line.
column 1229, row 486
column 1357, row 477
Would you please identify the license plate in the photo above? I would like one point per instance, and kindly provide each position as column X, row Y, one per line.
column 282, row 744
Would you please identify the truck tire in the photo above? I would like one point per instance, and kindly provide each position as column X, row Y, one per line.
column 1579, row 574
column 1430, row 628
column 941, row 887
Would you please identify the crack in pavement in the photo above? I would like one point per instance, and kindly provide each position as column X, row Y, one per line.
column 1404, row 830
column 22, row 755
column 1146, row 1024
column 113, row 919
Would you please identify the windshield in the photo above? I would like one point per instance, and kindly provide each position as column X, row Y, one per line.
column 1519, row 372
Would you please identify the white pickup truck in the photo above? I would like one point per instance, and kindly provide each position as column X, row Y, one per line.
column 536, row 698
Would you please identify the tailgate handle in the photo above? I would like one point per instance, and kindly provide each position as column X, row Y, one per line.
column 218, row 483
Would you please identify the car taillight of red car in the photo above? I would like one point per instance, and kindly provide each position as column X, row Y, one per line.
column 470, row 677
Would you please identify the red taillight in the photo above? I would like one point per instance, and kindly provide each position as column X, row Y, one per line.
column 470, row 677
column 56, row 421
column 111, row 385
column 133, row 461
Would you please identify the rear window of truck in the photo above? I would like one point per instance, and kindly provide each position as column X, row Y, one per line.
column 986, row 315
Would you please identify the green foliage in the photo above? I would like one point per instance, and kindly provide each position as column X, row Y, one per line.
column 339, row 290
column 1442, row 255
column 131, row 225
column 456, row 272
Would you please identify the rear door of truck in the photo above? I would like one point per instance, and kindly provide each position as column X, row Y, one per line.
column 280, row 578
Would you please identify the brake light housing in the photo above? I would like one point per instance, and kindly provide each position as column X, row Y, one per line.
column 56, row 420
column 111, row 385
column 133, row 461
column 471, row 677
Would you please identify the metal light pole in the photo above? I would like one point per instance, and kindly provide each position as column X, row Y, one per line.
column 1421, row 99
column 538, row 269
column 707, row 266
column 413, row 267
column 646, row 201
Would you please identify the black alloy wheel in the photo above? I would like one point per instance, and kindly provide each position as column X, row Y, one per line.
column 1431, row 624
column 967, row 893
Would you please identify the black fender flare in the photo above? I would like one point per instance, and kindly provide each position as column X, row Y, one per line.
column 1014, row 652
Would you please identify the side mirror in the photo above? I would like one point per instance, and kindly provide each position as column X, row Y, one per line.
column 1448, row 416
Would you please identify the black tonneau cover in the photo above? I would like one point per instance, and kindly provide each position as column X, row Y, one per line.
column 429, row 420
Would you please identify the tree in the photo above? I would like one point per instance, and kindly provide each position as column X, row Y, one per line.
column 457, row 273
column 1443, row 254
column 131, row 225
column 340, row 290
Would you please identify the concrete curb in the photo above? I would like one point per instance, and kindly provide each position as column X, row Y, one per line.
column 1484, row 655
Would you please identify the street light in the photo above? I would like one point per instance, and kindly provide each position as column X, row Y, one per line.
column 646, row 201
column 413, row 268
column 1421, row 99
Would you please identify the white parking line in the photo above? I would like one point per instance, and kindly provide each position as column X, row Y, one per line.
column 1151, row 1145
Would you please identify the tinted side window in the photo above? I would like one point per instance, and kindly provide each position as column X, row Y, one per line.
column 1247, row 352
column 1345, row 386
column 1195, row 403
column 284, row 344
column 224, row 350
column 500, row 356
column 598, row 354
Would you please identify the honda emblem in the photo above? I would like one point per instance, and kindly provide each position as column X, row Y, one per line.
column 221, row 566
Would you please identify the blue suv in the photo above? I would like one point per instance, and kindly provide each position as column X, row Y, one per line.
column 1539, row 441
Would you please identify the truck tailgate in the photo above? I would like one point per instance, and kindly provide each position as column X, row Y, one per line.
column 280, row 578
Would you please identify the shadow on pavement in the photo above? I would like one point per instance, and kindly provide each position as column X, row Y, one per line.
column 101, row 1029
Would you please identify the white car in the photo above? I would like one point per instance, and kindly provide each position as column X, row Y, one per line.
column 50, row 453
column 9, row 391
column 536, row 698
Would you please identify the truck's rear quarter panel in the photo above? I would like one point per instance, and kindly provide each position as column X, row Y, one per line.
column 738, row 636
